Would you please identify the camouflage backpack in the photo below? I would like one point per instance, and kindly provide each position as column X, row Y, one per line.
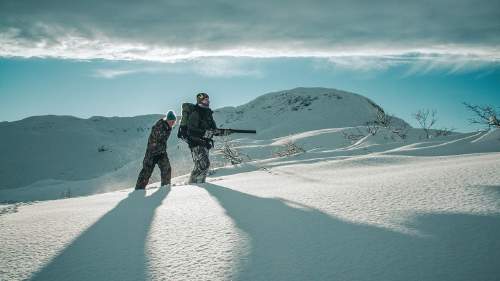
column 187, row 109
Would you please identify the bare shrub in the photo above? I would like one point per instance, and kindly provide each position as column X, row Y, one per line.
column 401, row 131
column 484, row 115
column 426, row 119
column 289, row 148
column 383, row 119
column 354, row 136
column 443, row 132
column 102, row 148
column 230, row 154
column 66, row 193
column 372, row 128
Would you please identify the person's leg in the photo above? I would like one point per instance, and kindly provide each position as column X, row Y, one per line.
column 204, row 164
column 148, row 165
column 196, row 171
column 165, row 169
column 201, row 164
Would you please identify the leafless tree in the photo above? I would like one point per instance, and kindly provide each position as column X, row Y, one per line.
column 228, row 151
column 383, row 119
column 444, row 132
column 289, row 148
column 426, row 119
column 372, row 128
column 484, row 115
column 401, row 131
column 354, row 136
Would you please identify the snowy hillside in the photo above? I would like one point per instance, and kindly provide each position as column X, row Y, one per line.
column 51, row 157
column 299, row 110
column 66, row 148
column 376, row 209
column 48, row 157
column 352, row 204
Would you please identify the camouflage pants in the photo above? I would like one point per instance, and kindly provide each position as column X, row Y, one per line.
column 201, row 164
column 148, row 165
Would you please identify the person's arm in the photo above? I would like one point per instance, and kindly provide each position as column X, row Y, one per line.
column 154, row 136
column 213, row 125
column 167, row 133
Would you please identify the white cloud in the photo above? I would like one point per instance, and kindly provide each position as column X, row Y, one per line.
column 224, row 67
column 452, row 58
column 219, row 67
column 451, row 64
column 367, row 63
column 357, row 35
column 169, row 31
column 113, row 73
column 451, row 61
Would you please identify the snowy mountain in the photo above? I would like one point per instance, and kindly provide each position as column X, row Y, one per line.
column 106, row 153
column 50, row 157
column 299, row 110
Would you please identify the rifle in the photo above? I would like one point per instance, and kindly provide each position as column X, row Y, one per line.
column 225, row 132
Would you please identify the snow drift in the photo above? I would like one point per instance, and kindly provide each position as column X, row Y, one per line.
column 352, row 206
column 314, row 216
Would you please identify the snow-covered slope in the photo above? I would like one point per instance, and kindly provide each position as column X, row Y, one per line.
column 363, row 212
column 50, row 157
column 46, row 156
column 66, row 148
column 352, row 206
column 299, row 110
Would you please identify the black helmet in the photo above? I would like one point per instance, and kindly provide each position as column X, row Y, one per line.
column 201, row 96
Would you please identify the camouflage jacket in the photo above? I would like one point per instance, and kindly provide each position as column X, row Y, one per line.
column 157, row 142
column 200, row 120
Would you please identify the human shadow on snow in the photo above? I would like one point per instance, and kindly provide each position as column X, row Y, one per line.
column 111, row 249
column 295, row 242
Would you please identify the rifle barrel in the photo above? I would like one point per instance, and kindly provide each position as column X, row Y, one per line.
column 241, row 131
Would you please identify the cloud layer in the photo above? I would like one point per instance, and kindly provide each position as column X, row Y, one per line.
column 214, row 67
column 184, row 29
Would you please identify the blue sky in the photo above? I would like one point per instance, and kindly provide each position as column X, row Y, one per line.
column 120, row 88
column 125, row 58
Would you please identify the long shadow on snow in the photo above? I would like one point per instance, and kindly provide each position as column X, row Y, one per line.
column 302, row 243
column 111, row 249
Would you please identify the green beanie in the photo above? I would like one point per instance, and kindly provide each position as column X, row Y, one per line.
column 171, row 116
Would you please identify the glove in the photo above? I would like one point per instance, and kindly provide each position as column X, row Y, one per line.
column 209, row 134
column 209, row 144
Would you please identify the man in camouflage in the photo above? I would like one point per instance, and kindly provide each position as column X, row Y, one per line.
column 200, row 129
column 156, row 152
